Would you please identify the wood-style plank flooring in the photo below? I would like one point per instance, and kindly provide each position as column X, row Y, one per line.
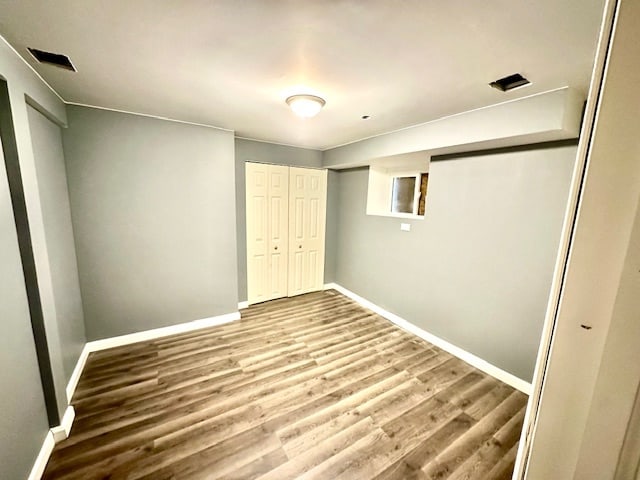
column 311, row 387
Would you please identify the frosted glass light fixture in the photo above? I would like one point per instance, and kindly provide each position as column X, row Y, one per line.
column 305, row 106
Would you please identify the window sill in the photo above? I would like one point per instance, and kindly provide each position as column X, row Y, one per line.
column 410, row 216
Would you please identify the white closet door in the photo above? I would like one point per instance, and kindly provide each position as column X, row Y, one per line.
column 307, row 212
column 267, row 192
column 278, row 230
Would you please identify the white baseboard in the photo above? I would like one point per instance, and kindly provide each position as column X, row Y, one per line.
column 77, row 371
column 121, row 340
column 62, row 431
column 462, row 354
column 54, row 435
column 97, row 345
column 243, row 305
column 43, row 457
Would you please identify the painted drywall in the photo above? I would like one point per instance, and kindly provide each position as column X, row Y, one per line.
column 254, row 151
column 23, row 422
column 599, row 283
column 154, row 219
column 331, row 233
column 44, row 150
column 618, row 379
column 68, row 327
column 477, row 270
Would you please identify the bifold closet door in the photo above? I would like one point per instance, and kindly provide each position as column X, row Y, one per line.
column 307, row 211
column 267, row 226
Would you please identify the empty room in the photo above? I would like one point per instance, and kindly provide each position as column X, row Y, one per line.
column 329, row 239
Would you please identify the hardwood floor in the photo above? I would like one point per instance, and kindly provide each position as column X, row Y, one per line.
column 311, row 387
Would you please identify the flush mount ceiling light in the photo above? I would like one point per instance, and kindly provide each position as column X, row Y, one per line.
column 305, row 106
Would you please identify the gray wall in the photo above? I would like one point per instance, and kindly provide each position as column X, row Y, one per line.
column 477, row 270
column 23, row 421
column 331, row 235
column 253, row 151
column 153, row 209
column 65, row 332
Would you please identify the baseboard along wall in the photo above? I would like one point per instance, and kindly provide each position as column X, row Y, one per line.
column 143, row 336
column 43, row 457
column 53, row 436
column 61, row 432
column 462, row 354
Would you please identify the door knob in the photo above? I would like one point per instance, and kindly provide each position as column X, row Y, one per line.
column 299, row 246
column 275, row 248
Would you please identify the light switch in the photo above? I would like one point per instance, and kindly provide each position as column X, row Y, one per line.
column 405, row 227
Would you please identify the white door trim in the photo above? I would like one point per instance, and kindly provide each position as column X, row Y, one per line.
column 597, row 230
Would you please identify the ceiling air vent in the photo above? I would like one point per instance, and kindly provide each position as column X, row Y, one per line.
column 56, row 59
column 509, row 83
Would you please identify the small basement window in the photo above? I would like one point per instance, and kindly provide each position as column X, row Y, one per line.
column 408, row 194
column 398, row 186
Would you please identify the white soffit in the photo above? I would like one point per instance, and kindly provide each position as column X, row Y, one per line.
column 545, row 117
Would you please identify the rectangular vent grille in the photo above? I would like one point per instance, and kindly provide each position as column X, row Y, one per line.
column 509, row 83
column 56, row 59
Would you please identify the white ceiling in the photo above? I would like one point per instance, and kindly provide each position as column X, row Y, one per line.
column 231, row 63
